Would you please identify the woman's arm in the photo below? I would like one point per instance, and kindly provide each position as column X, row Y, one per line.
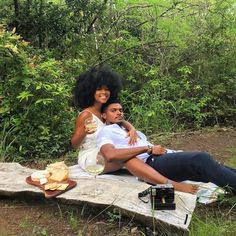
column 79, row 131
column 131, row 132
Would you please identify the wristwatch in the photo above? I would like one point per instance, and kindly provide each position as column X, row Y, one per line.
column 149, row 151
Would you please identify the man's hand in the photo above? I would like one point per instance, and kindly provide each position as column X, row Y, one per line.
column 132, row 134
column 158, row 150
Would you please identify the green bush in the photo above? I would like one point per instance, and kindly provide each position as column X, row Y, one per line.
column 35, row 97
column 177, row 60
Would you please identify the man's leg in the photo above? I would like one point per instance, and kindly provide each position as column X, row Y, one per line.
column 112, row 166
column 147, row 173
column 198, row 166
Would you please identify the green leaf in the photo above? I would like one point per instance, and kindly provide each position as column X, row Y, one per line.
column 25, row 95
column 44, row 101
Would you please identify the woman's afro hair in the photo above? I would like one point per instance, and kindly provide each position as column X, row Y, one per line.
column 87, row 83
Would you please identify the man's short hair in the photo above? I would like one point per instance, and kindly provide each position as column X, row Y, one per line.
column 108, row 103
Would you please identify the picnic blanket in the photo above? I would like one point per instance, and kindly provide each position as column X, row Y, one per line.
column 120, row 190
column 207, row 193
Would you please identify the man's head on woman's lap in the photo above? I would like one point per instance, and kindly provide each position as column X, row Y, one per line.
column 89, row 81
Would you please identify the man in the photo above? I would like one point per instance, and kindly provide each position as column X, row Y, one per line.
column 156, row 164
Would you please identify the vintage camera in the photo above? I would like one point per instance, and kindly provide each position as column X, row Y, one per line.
column 162, row 196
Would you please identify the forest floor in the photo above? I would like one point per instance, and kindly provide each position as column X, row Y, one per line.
column 50, row 217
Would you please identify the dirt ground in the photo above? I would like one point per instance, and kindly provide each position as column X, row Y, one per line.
column 38, row 216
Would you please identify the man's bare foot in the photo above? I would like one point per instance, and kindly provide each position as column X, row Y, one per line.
column 187, row 188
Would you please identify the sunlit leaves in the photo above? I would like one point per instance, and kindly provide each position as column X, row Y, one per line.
column 44, row 101
column 25, row 95
column 12, row 47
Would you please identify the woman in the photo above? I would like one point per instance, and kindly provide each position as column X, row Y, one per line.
column 93, row 89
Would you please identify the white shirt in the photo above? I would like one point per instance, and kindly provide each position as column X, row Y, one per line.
column 117, row 136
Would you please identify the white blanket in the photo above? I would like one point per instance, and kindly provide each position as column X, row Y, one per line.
column 207, row 193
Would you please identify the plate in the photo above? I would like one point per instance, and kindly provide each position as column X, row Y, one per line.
column 52, row 193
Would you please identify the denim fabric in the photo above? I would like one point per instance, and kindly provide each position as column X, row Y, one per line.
column 196, row 166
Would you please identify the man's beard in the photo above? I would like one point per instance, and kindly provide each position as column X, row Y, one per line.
column 112, row 123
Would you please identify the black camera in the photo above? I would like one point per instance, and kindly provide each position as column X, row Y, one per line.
column 162, row 196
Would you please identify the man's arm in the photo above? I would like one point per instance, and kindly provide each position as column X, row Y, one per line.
column 121, row 154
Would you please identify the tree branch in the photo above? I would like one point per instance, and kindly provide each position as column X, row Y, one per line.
column 126, row 50
column 170, row 8
column 95, row 18
column 119, row 17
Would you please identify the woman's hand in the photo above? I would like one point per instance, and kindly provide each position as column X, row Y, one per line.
column 90, row 129
column 90, row 125
column 80, row 130
column 132, row 134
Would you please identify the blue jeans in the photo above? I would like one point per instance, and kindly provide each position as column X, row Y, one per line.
column 196, row 166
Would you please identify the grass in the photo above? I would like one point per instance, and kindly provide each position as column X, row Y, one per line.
column 211, row 220
column 216, row 219
column 212, row 227
column 40, row 231
column 5, row 144
column 4, row 232
column 25, row 223
column 219, row 219
column 86, row 219
column 231, row 161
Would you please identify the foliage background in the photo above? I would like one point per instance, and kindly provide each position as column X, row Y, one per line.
column 177, row 60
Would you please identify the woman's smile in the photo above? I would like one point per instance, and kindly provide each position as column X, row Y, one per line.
column 102, row 94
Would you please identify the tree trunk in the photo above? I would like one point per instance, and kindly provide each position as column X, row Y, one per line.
column 16, row 9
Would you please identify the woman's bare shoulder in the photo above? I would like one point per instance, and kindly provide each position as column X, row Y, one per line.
column 84, row 114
